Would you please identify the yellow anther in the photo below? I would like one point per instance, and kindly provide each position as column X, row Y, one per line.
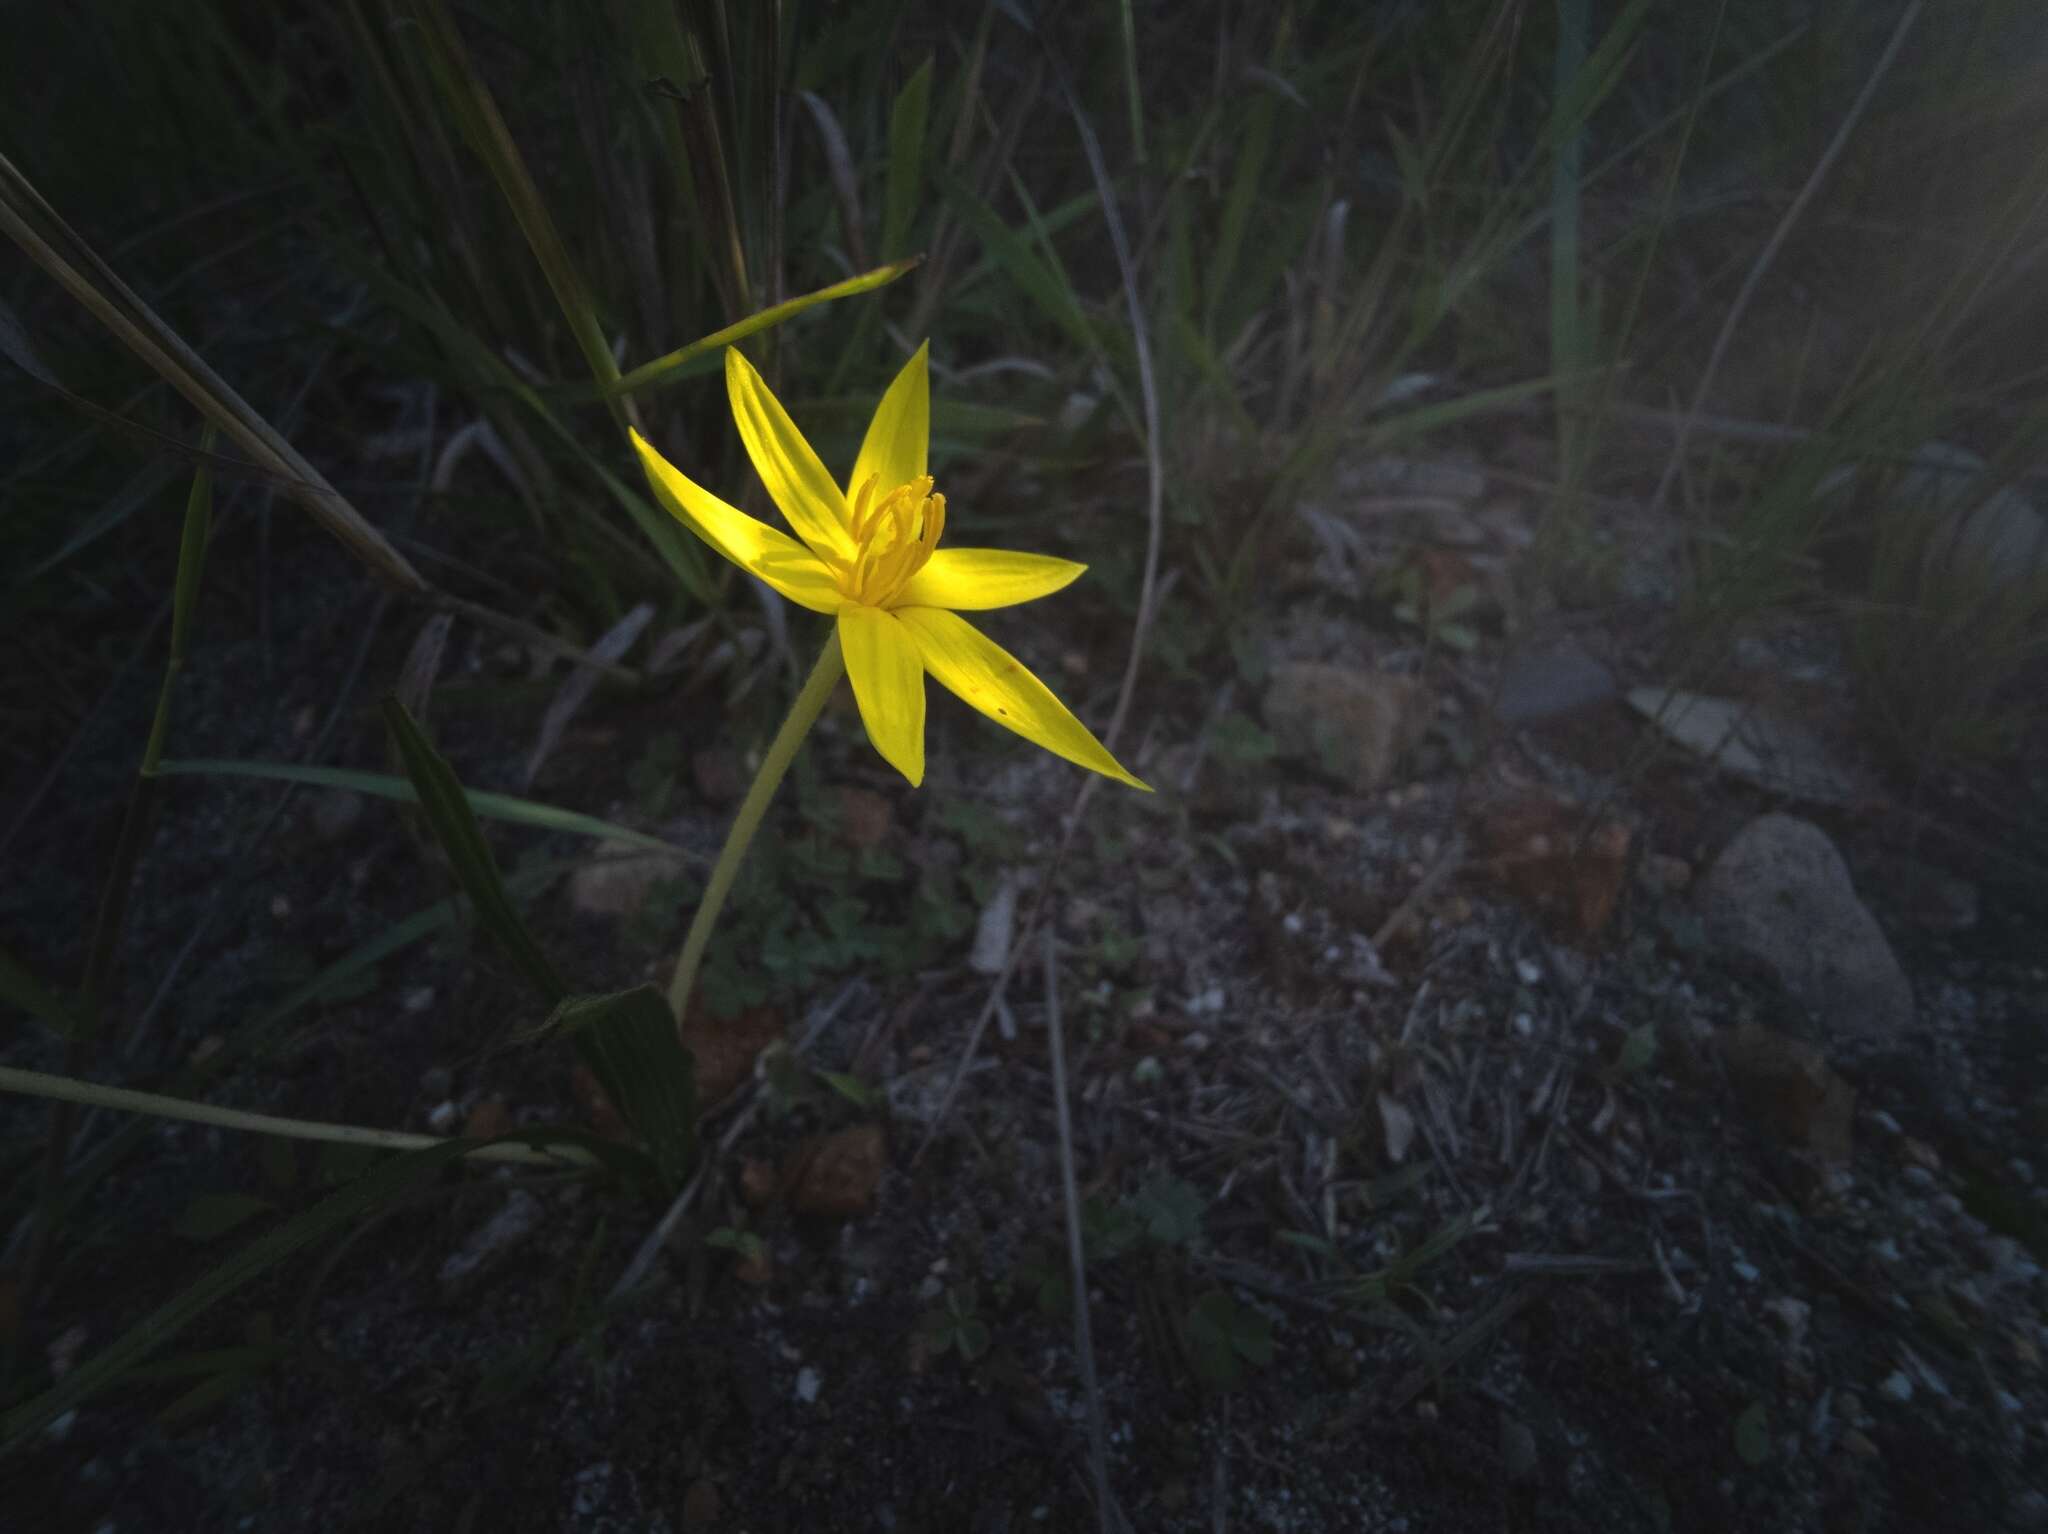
column 893, row 536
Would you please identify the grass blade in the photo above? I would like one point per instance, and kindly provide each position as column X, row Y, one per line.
column 629, row 1041
column 476, row 112
column 55, row 247
column 665, row 370
column 367, row 1193
column 907, row 122
column 455, row 828
column 525, row 812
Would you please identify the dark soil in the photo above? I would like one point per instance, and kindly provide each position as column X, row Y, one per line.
column 1647, row 1305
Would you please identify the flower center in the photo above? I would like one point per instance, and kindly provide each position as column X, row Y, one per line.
column 893, row 536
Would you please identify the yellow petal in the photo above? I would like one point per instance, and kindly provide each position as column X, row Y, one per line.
column 981, row 672
column 796, row 481
column 900, row 434
column 749, row 543
column 973, row 580
column 888, row 684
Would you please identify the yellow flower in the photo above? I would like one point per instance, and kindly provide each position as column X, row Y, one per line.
column 869, row 555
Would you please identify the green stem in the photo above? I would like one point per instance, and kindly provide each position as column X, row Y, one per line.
column 803, row 714
column 68, row 1089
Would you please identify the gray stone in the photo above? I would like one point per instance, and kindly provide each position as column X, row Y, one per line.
column 1546, row 680
column 1779, row 897
column 619, row 881
column 1753, row 744
column 506, row 1230
column 1352, row 723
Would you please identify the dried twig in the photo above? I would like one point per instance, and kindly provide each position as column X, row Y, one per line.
column 1070, row 1193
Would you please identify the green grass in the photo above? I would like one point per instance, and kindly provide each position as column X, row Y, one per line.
column 340, row 237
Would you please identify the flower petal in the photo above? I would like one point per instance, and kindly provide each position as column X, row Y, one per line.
column 900, row 434
column 749, row 543
column 973, row 580
column 888, row 684
column 796, row 480
column 981, row 672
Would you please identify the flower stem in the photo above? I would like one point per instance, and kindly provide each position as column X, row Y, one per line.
column 803, row 714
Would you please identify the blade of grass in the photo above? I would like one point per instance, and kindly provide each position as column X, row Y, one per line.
column 245, row 1040
column 366, row 1194
column 469, row 855
column 475, row 109
column 491, row 806
column 69, row 1089
column 51, row 243
column 664, row 370
column 1570, row 348
column 907, row 122
column 629, row 1041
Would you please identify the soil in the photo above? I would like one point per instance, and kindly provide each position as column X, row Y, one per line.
column 1451, row 1222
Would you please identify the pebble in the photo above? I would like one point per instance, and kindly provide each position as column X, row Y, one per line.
column 1897, row 1387
column 808, row 1383
column 517, row 1219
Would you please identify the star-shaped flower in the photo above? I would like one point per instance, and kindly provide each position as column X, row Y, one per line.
column 869, row 554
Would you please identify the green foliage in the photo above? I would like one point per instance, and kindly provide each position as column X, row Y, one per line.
column 1224, row 1337
column 955, row 1327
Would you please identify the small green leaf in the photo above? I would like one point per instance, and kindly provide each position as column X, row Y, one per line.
column 1638, row 1050
column 212, row 1215
column 852, row 1088
column 1172, row 1211
column 1223, row 1336
column 971, row 1337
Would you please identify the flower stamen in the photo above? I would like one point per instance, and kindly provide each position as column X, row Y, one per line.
column 893, row 536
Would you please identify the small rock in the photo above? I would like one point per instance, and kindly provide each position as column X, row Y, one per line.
column 994, row 929
column 836, row 1174
column 1792, row 1317
column 1752, row 743
column 808, row 1383
column 725, row 1048
column 864, row 818
column 1858, row 1443
column 1788, row 1087
column 1779, row 897
column 1353, row 723
column 509, row 1228
column 1897, row 1387
column 1440, row 478
column 1662, row 874
column 487, row 1120
column 1542, row 848
column 336, row 813
column 442, row 1119
column 620, row 880
column 1543, row 682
